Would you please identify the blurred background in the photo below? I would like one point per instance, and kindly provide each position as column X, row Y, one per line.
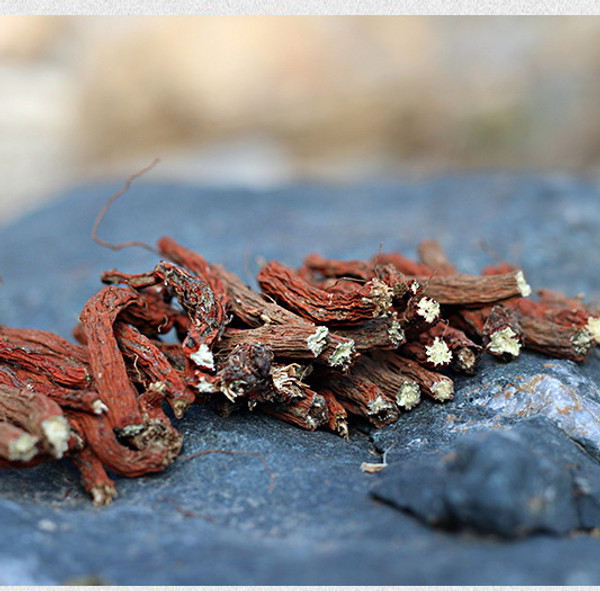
column 262, row 101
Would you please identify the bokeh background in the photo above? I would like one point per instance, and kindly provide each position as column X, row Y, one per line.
column 261, row 101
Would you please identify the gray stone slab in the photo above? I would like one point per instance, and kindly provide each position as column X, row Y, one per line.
column 212, row 519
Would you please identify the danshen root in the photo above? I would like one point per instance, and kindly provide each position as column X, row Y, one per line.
column 318, row 347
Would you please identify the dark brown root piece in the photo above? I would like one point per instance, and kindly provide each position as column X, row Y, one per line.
column 438, row 386
column 549, row 337
column 94, row 478
column 397, row 387
column 309, row 412
column 432, row 256
column 245, row 372
column 385, row 332
column 362, row 397
column 337, row 421
column 295, row 341
column 475, row 290
column 367, row 301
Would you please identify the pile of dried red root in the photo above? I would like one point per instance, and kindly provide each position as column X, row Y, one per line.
column 328, row 341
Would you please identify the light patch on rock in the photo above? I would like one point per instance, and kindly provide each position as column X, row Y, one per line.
column 550, row 397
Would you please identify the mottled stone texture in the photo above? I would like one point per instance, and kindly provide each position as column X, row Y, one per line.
column 529, row 478
column 500, row 459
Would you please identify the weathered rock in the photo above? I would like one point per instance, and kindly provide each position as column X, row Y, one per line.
column 518, row 481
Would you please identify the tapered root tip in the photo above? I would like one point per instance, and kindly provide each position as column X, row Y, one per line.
column 103, row 495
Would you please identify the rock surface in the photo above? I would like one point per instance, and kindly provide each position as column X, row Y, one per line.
column 213, row 520
column 529, row 478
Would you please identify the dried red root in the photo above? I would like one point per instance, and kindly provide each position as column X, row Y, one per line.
column 570, row 312
column 562, row 340
column 317, row 267
column 475, row 290
column 337, row 416
column 432, row 256
column 309, row 412
column 385, row 332
column 94, row 478
column 152, row 313
column 197, row 264
column 18, row 377
column 397, row 387
column 158, row 373
column 496, row 327
column 16, row 445
column 288, row 381
column 295, row 341
column 362, row 397
column 443, row 345
column 206, row 314
column 438, row 386
column 245, row 372
column 48, row 354
column 37, row 415
column 370, row 300
column 402, row 263
column 106, row 361
column 98, row 432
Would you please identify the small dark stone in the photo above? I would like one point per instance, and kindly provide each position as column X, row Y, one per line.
column 498, row 484
column 511, row 483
